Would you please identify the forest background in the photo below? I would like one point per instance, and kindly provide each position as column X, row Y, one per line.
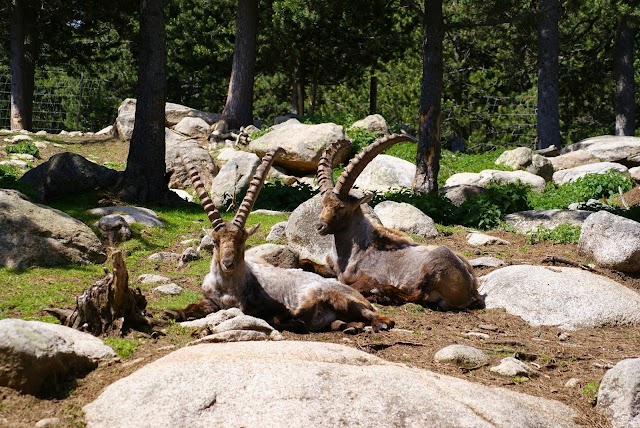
column 86, row 62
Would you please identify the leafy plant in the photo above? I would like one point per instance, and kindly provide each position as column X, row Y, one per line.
column 562, row 234
column 590, row 391
column 123, row 347
column 487, row 210
column 24, row 147
column 361, row 137
column 278, row 196
column 414, row 308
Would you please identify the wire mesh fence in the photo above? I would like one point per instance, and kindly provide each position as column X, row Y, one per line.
column 62, row 102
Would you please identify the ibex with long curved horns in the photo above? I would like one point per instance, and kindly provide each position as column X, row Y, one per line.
column 289, row 299
column 379, row 262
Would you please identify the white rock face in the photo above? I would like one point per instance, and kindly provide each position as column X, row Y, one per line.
column 303, row 145
column 572, row 160
column 610, row 148
column 572, row 174
column 33, row 351
column 233, row 179
column 405, row 218
column 385, row 173
column 525, row 159
column 480, row 239
column 131, row 214
column 297, row 384
column 612, row 241
column 194, row 127
column 568, row 298
column 491, row 176
column 462, row 356
column 373, row 122
column 527, row 221
column 619, row 394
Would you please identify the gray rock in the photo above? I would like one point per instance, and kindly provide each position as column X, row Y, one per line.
column 165, row 257
column 487, row 262
column 619, row 394
column 529, row 221
column 200, row 158
column 66, row 174
column 635, row 173
column 491, row 176
column 301, row 383
column 540, row 295
column 193, row 127
column 480, row 239
column 511, row 366
column 115, row 228
column 373, row 122
column 170, row 289
column 274, row 254
column 612, row 241
column 525, row 159
column 141, row 215
column 213, row 319
column 149, row 278
column 232, row 336
column 36, row 235
column 460, row 193
column 277, row 232
column 244, row 322
column 32, row 353
column 303, row 145
column 572, row 174
column 610, row 148
column 386, row 173
column 462, row 356
column 405, row 218
column 572, row 160
column 233, row 179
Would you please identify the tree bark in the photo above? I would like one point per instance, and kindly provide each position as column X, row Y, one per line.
column 428, row 152
column 548, row 48
column 373, row 94
column 238, row 110
column 144, row 179
column 625, row 84
column 18, row 99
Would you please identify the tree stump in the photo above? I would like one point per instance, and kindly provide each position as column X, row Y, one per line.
column 109, row 307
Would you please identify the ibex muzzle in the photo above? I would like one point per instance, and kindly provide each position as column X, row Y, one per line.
column 379, row 262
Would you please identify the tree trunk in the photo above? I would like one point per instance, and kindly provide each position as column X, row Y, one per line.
column 144, row 180
column 373, row 94
column 625, row 84
column 548, row 48
column 109, row 307
column 428, row 153
column 17, row 65
column 238, row 110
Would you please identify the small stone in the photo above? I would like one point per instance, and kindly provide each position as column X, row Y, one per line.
column 47, row 422
column 563, row 337
column 171, row 289
column 511, row 366
column 574, row 382
column 476, row 334
column 488, row 327
column 149, row 278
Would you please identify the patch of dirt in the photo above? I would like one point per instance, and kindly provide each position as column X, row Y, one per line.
column 584, row 355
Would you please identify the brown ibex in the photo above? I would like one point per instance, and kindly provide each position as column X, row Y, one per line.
column 379, row 262
column 289, row 299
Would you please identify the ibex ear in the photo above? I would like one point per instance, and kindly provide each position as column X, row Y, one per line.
column 365, row 199
column 253, row 229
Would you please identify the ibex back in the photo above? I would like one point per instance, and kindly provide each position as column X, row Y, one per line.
column 380, row 262
column 289, row 299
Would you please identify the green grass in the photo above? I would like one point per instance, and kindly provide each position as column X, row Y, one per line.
column 123, row 347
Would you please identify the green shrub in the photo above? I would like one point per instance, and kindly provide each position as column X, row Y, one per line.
column 361, row 138
column 562, row 234
column 24, row 147
column 487, row 210
column 437, row 206
column 591, row 186
column 123, row 347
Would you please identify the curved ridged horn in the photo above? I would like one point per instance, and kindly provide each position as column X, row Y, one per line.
column 325, row 167
column 360, row 161
column 205, row 199
column 254, row 187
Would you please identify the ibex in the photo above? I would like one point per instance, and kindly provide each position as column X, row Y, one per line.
column 379, row 262
column 289, row 299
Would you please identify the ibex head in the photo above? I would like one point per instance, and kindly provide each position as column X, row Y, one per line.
column 229, row 238
column 337, row 204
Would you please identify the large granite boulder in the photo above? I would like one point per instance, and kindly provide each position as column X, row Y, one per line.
column 570, row 175
column 200, row 158
column 66, row 174
column 386, row 173
column 610, row 148
column 612, row 241
column 491, row 176
column 303, row 145
column 525, row 159
column 531, row 220
column 563, row 297
column 35, row 354
column 37, row 235
column 307, row 384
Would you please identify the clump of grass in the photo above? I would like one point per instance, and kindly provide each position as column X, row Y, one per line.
column 562, row 234
column 590, row 391
column 123, row 347
column 23, row 147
